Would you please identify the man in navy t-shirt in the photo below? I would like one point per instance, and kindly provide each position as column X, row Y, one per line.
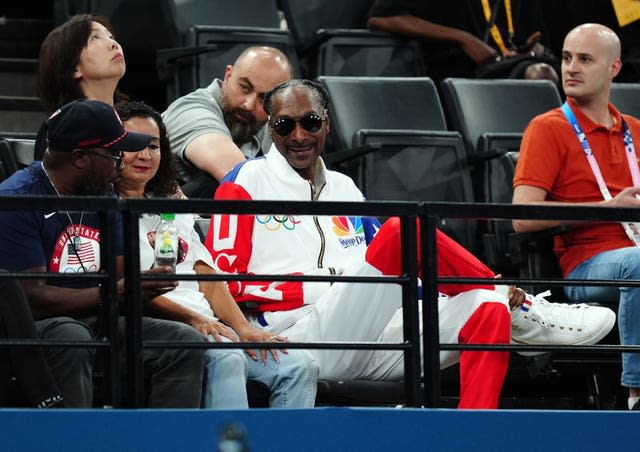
column 86, row 141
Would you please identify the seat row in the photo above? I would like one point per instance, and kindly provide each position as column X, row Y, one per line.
column 404, row 138
column 192, row 41
column 407, row 139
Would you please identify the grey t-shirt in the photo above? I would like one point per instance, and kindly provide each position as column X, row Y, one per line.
column 198, row 113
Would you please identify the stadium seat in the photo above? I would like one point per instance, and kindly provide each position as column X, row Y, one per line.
column 221, row 46
column 333, row 40
column 491, row 116
column 15, row 154
column 21, row 37
column 389, row 134
column 201, row 226
column 21, row 33
column 214, row 33
column 20, row 115
column 255, row 13
column 499, row 249
column 359, row 52
column 481, row 109
column 626, row 98
column 18, row 77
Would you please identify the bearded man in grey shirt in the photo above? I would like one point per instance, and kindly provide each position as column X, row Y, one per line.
column 214, row 128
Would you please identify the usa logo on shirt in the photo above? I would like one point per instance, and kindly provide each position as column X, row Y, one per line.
column 77, row 250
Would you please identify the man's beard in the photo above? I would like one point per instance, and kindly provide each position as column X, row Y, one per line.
column 241, row 131
column 93, row 184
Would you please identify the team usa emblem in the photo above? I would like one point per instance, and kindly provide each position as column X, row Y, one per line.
column 77, row 250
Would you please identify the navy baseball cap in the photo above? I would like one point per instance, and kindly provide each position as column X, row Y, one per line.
column 87, row 124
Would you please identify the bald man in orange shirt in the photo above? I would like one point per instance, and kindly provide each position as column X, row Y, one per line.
column 556, row 168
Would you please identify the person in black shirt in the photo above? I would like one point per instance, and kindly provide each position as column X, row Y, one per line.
column 459, row 40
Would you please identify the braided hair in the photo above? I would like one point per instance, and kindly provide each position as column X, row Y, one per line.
column 320, row 94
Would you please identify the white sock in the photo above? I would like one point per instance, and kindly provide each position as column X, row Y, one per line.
column 633, row 401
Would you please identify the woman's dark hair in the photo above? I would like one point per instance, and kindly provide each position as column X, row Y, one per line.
column 319, row 92
column 165, row 182
column 59, row 57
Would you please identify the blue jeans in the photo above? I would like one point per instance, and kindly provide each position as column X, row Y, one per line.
column 623, row 263
column 292, row 382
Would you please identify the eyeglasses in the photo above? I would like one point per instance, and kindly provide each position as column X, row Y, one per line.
column 310, row 123
column 117, row 159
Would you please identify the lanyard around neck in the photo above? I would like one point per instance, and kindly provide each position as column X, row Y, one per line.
column 629, row 148
column 495, row 32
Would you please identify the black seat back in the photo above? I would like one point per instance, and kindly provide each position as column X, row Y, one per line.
column 20, row 115
column 15, row 154
column 332, row 39
column 477, row 107
column 223, row 46
column 351, row 53
column 499, row 250
column 491, row 116
column 306, row 18
column 159, row 28
column 626, row 98
column 214, row 33
column 391, row 138
column 246, row 13
column 403, row 103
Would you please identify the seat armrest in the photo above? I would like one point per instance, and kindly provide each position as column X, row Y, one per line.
column 168, row 59
column 345, row 155
column 493, row 145
column 366, row 141
column 537, row 258
column 529, row 237
column 324, row 34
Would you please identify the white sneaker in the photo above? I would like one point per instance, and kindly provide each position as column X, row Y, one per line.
column 539, row 322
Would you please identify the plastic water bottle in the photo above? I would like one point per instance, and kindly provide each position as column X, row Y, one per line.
column 166, row 248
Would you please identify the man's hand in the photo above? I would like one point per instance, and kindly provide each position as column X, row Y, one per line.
column 251, row 334
column 516, row 297
column 477, row 50
column 626, row 198
column 533, row 44
column 152, row 289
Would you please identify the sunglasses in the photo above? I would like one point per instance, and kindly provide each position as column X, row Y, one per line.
column 311, row 123
column 117, row 159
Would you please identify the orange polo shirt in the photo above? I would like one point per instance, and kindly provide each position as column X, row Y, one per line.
column 552, row 158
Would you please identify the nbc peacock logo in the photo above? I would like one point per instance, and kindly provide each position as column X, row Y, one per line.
column 349, row 231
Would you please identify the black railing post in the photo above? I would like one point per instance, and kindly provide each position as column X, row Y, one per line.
column 133, row 302
column 109, row 315
column 409, row 253
column 430, row 334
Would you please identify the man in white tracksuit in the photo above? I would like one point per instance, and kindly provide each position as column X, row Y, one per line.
column 313, row 311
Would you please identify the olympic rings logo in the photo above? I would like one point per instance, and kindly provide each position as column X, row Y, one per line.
column 275, row 222
column 91, row 269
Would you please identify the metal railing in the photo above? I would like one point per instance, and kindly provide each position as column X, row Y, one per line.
column 408, row 212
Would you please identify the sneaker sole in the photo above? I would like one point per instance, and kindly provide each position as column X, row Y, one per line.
column 611, row 321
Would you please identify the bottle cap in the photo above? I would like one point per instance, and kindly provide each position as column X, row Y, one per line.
column 168, row 216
